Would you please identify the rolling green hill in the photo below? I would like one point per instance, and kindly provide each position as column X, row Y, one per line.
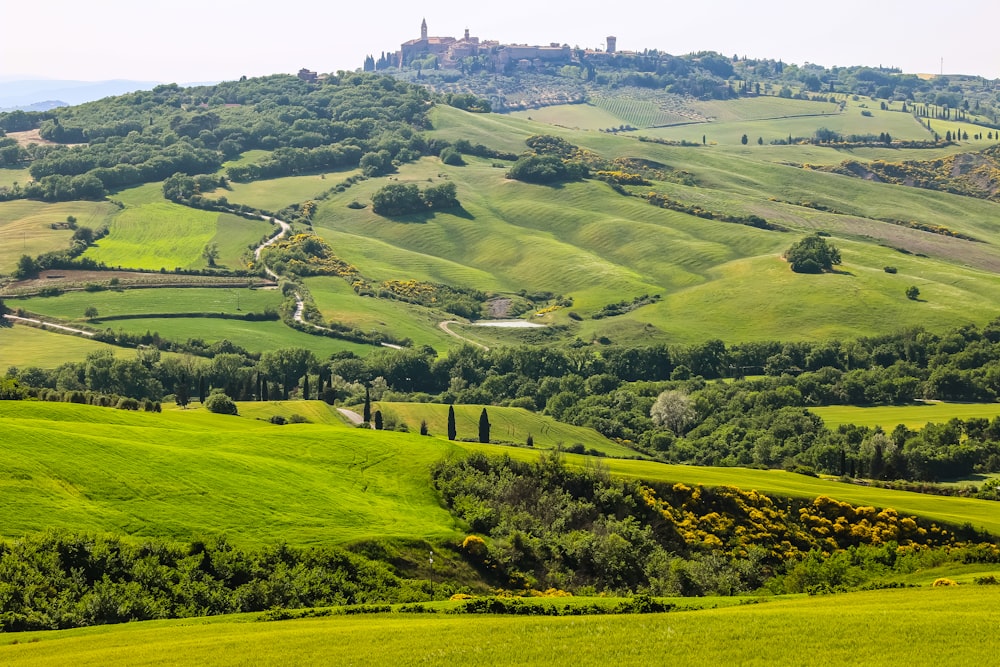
column 188, row 473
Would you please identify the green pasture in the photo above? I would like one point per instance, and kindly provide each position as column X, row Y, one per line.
column 247, row 157
column 760, row 108
column 26, row 226
column 897, row 124
column 253, row 336
column 954, row 625
column 277, row 193
column 316, row 412
column 8, row 177
column 338, row 302
column 25, row 346
column 911, row 416
column 178, row 476
column 152, row 233
column 508, row 425
column 109, row 303
column 592, row 116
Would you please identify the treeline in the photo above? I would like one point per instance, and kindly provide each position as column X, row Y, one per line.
column 61, row 580
column 546, row 526
column 343, row 120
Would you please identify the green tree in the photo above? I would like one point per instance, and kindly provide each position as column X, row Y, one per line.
column 220, row 404
column 378, row 420
column 484, row 427
column 812, row 255
column 452, row 432
column 90, row 313
column 305, row 388
column 367, row 412
column 744, row 140
column 27, row 267
column 912, row 293
column 211, row 253
column 398, row 199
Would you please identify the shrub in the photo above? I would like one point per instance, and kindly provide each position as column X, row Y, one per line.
column 812, row 255
column 890, row 269
column 912, row 293
column 944, row 582
column 452, row 157
column 220, row 404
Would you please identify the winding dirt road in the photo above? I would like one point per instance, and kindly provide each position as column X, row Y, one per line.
column 31, row 320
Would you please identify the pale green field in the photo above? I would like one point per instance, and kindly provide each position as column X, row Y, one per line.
column 729, row 132
column 152, row 233
column 757, row 108
column 8, row 177
column 911, row 416
column 916, row 626
column 593, row 116
column 253, row 336
column 317, row 412
column 71, row 305
column 508, row 425
column 25, row 226
column 25, row 346
column 338, row 302
column 277, row 193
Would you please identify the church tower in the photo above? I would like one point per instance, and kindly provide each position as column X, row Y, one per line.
column 423, row 29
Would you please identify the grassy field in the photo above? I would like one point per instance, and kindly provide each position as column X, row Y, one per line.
column 187, row 473
column 8, row 177
column 179, row 475
column 338, row 302
column 509, row 425
column 152, row 233
column 277, row 193
column 916, row 626
column 70, row 305
column 253, row 336
column 26, row 226
column 24, row 346
column 911, row 416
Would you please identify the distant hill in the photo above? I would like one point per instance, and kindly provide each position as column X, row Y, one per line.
column 45, row 94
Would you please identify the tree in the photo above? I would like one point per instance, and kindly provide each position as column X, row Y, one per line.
column 27, row 267
column 4, row 322
column 744, row 139
column 912, row 293
column 451, row 423
column 760, row 141
column 211, row 253
column 90, row 313
column 305, row 388
column 812, row 255
column 423, row 427
column 367, row 414
column 201, row 389
column 182, row 392
column 530, row 442
column 484, row 427
column 674, row 410
column 378, row 420
column 220, row 404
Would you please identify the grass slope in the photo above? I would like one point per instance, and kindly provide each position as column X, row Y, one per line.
column 508, row 425
column 179, row 476
column 26, row 226
column 915, row 626
column 189, row 473
column 911, row 416
column 277, row 193
column 25, row 346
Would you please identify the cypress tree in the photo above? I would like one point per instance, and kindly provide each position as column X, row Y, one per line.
column 201, row 389
column 305, row 388
column 484, row 427
column 367, row 416
column 378, row 420
column 263, row 390
column 451, row 423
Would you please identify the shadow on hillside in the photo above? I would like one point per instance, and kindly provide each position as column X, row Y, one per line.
column 422, row 218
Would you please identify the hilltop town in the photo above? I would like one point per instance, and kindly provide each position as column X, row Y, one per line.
column 452, row 53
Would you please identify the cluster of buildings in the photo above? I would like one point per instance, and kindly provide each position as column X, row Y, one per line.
column 450, row 51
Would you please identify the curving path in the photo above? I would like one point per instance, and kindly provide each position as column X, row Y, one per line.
column 444, row 327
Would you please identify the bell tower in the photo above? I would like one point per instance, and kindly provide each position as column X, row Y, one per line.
column 423, row 29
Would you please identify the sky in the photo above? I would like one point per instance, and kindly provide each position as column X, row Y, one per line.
column 187, row 41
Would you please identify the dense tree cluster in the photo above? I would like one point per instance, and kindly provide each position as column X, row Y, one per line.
column 812, row 255
column 396, row 199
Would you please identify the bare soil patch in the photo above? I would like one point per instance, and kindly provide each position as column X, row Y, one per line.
column 32, row 137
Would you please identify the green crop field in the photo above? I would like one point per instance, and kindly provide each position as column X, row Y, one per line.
column 8, row 177
column 509, row 425
column 581, row 116
column 26, row 226
column 23, row 346
column 152, row 233
column 915, row 626
column 315, row 412
column 109, row 303
column 759, row 108
column 911, row 416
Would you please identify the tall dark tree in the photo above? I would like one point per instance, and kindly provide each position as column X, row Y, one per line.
column 263, row 390
column 423, row 427
column 378, row 420
column 484, row 426
column 182, row 392
column 201, row 388
column 451, row 423
column 305, row 388
column 367, row 414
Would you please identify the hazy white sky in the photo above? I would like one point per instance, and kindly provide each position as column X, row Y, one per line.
column 200, row 40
